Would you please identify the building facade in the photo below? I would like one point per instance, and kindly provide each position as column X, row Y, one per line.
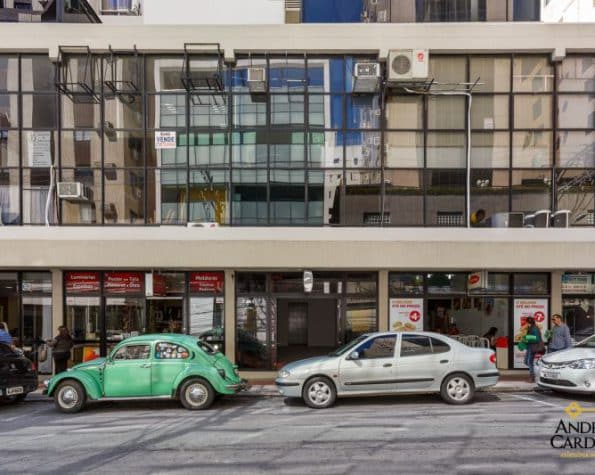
column 187, row 180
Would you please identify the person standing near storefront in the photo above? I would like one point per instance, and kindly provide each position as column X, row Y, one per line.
column 534, row 346
column 5, row 336
column 61, row 346
column 560, row 338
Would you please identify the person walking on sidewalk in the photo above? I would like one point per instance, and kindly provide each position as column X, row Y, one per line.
column 61, row 346
column 534, row 345
column 560, row 339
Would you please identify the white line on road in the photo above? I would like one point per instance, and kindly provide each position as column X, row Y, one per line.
column 557, row 406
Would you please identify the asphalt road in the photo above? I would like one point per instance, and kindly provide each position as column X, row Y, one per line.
column 499, row 433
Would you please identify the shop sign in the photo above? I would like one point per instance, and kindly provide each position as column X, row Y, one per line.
column 524, row 308
column 406, row 314
column 477, row 280
column 577, row 283
column 155, row 285
column 165, row 140
column 82, row 282
column 123, row 282
column 206, row 282
column 308, row 281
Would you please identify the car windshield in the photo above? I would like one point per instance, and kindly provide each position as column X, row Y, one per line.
column 348, row 346
column 588, row 343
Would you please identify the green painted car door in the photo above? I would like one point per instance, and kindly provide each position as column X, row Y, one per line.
column 169, row 359
column 128, row 371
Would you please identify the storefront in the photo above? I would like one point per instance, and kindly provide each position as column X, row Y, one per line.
column 454, row 304
column 578, row 303
column 278, row 321
column 103, row 308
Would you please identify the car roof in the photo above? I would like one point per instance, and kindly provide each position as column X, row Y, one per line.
column 171, row 337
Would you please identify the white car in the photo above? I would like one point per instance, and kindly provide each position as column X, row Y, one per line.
column 571, row 370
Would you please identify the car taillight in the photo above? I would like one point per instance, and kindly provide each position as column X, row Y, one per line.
column 493, row 358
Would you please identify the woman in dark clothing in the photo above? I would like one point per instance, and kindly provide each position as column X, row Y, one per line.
column 491, row 336
column 533, row 346
column 61, row 346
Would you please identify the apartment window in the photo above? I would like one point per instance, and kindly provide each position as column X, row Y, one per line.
column 451, row 10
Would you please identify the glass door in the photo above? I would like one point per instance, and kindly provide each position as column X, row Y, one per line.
column 37, row 327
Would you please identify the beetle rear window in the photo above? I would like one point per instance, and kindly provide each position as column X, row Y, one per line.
column 170, row 351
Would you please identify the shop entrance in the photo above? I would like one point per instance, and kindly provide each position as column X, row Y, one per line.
column 165, row 315
column 305, row 328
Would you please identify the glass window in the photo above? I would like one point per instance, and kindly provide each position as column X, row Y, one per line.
column 404, row 112
column 9, row 73
column 531, row 149
column 82, row 148
column 360, row 317
column 9, row 148
column 379, row 347
column 446, row 112
column 442, row 283
column 324, row 196
column 124, row 114
column 579, row 315
column 531, row 284
column 363, row 149
column 9, row 111
column 445, row 197
column 575, row 193
column 493, row 74
column 9, row 196
column 209, row 196
column 287, row 74
column 577, row 74
column 286, row 109
column 124, row 149
column 209, row 149
column 576, row 149
column 415, row 345
column 239, row 73
column 404, row 197
column 405, row 284
column 532, row 74
column 439, row 346
column 576, row 112
column 326, row 74
column 75, row 115
column 132, row 352
column 38, row 73
column 325, row 111
column 36, row 184
column 166, row 111
column 124, row 317
column 252, row 333
column 448, row 69
column 531, row 190
column 164, row 73
column 208, row 111
column 207, row 318
column 361, row 284
column 363, row 198
column 124, row 196
column 404, row 149
column 286, row 148
column 248, row 282
column 325, row 149
column 577, row 283
column 446, row 150
column 170, row 351
column 363, row 112
column 489, row 112
column 532, row 112
column 39, row 111
column 249, row 197
column 489, row 193
column 249, row 148
column 251, row 110
column 287, row 197
column 82, row 317
column 36, row 282
column 173, row 196
column 490, row 150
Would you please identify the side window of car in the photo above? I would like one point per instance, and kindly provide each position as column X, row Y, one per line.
column 439, row 346
column 379, row 347
column 133, row 352
column 170, row 351
column 415, row 345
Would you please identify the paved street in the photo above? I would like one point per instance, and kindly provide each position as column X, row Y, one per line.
column 499, row 433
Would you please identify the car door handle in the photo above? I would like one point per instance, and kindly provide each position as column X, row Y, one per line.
column 387, row 365
column 443, row 361
column 146, row 365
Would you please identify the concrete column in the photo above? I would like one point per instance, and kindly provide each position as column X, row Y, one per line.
column 230, row 315
column 556, row 292
column 383, row 300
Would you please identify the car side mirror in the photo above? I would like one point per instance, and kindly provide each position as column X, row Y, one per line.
column 354, row 355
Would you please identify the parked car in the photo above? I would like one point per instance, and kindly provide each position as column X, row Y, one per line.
column 18, row 376
column 168, row 365
column 391, row 363
column 571, row 370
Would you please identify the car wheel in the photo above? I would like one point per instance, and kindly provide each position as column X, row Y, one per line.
column 197, row 394
column 319, row 393
column 70, row 396
column 457, row 389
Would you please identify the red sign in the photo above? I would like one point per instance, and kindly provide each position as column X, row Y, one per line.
column 474, row 278
column 123, row 282
column 159, row 285
column 539, row 317
column 202, row 282
column 420, row 56
column 81, row 282
column 414, row 316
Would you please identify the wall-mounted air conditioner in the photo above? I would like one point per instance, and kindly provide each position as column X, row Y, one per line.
column 407, row 65
column 74, row 191
column 257, row 79
column 366, row 77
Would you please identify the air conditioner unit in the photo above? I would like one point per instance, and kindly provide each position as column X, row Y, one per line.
column 74, row 191
column 366, row 77
column 408, row 65
column 257, row 79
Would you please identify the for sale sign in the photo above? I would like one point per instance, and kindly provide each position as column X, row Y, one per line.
column 523, row 309
column 406, row 314
column 165, row 140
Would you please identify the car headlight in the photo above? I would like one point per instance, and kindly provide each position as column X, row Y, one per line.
column 583, row 364
column 284, row 373
column 221, row 373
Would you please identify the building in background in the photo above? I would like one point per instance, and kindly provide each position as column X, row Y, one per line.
column 568, row 11
column 47, row 11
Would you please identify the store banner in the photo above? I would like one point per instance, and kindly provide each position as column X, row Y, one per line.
column 123, row 282
column 82, row 282
column 206, row 282
column 477, row 280
column 524, row 308
column 165, row 140
column 577, row 283
column 406, row 314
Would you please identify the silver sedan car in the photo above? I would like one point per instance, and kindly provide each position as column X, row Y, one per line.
column 571, row 370
column 391, row 363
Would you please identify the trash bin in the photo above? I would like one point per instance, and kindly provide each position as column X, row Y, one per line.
column 502, row 352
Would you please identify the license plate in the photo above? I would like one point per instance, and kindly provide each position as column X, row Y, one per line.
column 15, row 390
column 550, row 374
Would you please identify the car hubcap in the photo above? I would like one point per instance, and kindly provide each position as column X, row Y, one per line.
column 196, row 394
column 68, row 397
column 319, row 393
column 458, row 389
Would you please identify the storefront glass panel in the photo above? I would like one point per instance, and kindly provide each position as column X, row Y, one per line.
column 578, row 303
column 253, row 332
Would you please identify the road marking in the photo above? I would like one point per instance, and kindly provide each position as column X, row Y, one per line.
column 538, row 401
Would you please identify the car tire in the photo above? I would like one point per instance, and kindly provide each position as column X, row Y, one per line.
column 457, row 388
column 70, row 396
column 319, row 393
column 197, row 394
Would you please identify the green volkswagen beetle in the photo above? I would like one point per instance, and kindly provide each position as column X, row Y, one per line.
column 149, row 366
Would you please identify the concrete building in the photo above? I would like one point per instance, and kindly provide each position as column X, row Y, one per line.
column 173, row 178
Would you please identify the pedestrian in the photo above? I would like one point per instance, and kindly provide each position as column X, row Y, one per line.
column 4, row 335
column 534, row 346
column 560, row 335
column 491, row 337
column 453, row 330
column 61, row 346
